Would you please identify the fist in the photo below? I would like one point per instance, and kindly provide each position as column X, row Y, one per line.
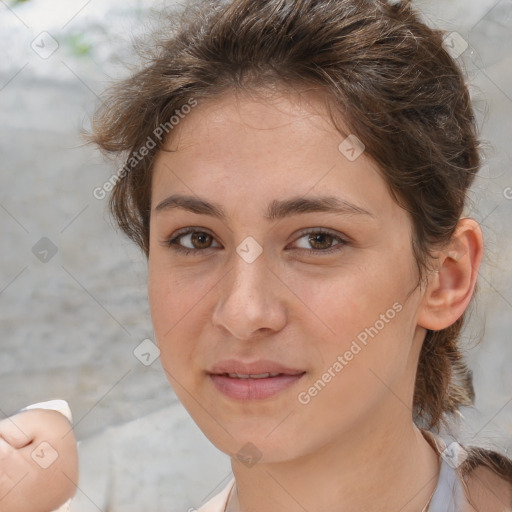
column 38, row 461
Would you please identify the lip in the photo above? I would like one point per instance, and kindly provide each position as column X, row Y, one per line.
column 254, row 368
column 253, row 388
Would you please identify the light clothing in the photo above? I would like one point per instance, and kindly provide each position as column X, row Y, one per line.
column 160, row 461
column 448, row 495
column 219, row 502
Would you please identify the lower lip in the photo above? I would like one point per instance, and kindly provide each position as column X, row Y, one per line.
column 253, row 389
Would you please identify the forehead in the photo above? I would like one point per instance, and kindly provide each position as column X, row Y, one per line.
column 254, row 114
column 242, row 147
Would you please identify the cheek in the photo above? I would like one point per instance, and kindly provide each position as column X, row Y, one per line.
column 169, row 295
column 361, row 316
column 158, row 296
column 176, row 301
column 167, row 303
column 347, row 301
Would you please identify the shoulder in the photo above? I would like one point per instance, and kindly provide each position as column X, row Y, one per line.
column 488, row 492
column 219, row 502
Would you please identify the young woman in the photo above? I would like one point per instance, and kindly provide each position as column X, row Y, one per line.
column 295, row 172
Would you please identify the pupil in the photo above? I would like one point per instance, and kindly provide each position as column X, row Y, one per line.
column 198, row 236
column 318, row 239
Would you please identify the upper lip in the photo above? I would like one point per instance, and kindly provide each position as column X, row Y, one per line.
column 254, row 368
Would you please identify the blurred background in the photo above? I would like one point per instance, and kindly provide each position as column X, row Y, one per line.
column 73, row 302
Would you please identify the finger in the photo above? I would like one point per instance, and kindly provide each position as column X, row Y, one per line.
column 6, row 450
column 13, row 431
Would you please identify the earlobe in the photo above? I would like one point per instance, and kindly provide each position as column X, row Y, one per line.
column 450, row 287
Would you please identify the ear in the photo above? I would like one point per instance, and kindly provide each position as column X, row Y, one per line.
column 450, row 287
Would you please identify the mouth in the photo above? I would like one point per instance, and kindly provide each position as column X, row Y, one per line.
column 262, row 368
column 254, row 386
column 253, row 376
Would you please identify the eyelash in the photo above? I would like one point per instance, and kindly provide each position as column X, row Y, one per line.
column 173, row 244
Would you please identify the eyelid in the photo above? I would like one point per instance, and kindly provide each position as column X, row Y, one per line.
column 325, row 231
column 343, row 240
column 168, row 242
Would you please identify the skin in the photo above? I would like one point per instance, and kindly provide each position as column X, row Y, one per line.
column 25, row 485
column 354, row 445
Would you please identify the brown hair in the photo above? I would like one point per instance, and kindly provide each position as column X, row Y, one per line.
column 389, row 77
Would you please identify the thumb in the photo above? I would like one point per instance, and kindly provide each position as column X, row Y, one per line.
column 13, row 432
column 6, row 450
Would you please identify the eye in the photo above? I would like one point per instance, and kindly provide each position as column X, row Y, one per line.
column 197, row 241
column 321, row 240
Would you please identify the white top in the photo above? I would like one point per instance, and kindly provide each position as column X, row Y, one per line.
column 219, row 502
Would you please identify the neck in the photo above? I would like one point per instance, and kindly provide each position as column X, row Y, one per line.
column 373, row 469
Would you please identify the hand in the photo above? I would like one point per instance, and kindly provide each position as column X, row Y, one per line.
column 38, row 461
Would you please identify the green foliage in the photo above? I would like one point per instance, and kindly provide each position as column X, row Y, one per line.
column 78, row 44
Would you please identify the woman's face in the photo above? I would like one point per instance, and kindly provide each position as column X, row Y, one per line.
column 261, row 285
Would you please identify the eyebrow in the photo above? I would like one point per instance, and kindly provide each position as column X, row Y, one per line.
column 277, row 209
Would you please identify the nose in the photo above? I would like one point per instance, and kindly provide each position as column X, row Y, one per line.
column 250, row 303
